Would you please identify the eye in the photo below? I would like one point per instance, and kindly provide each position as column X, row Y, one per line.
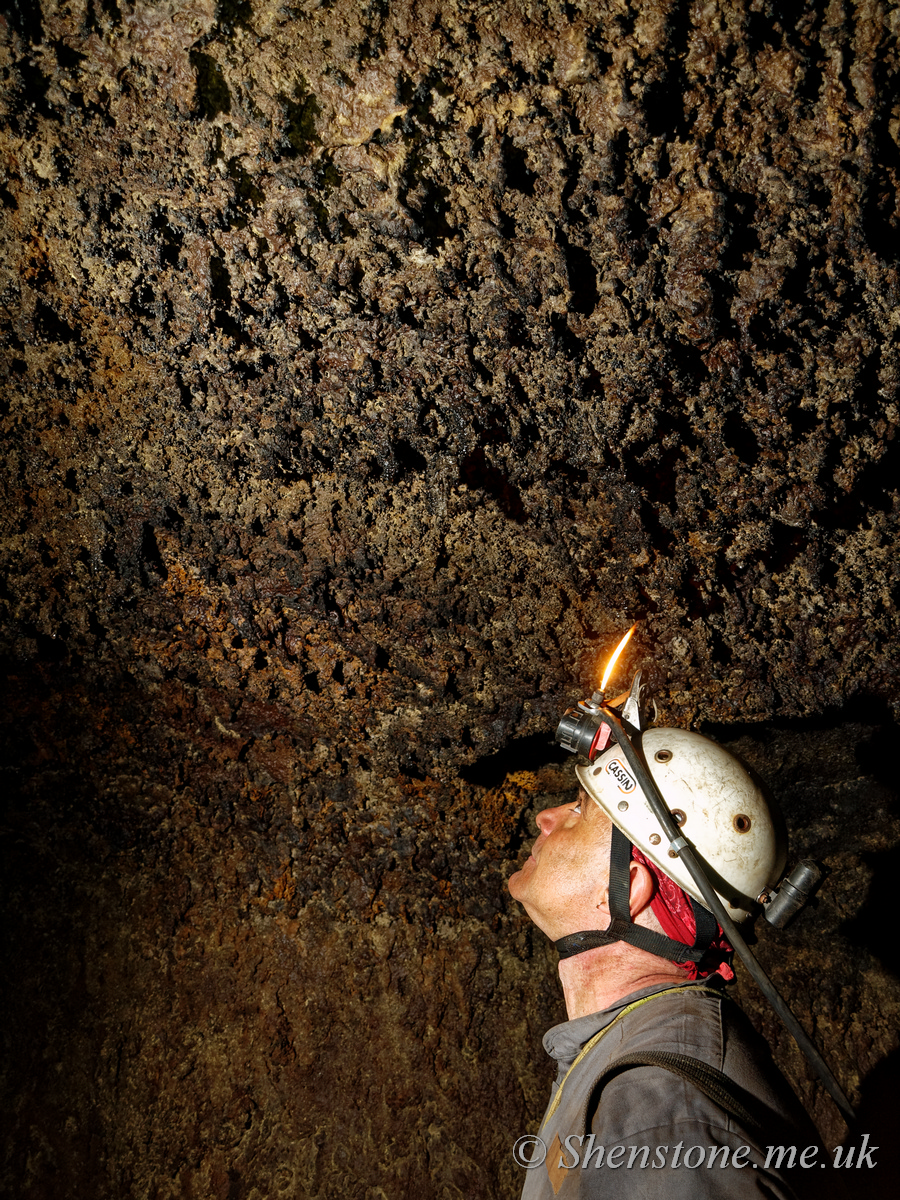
column 577, row 808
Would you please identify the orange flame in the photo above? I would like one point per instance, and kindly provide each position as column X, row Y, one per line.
column 615, row 656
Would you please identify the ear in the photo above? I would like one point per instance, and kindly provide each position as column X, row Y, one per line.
column 642, row 886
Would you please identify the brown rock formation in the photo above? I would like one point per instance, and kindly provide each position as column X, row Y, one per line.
column 369, row 367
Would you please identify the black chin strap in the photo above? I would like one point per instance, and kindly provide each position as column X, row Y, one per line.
column 622, row 929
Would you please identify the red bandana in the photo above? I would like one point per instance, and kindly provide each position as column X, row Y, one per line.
column 672, row 908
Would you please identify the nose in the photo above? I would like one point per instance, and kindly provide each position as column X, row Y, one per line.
column 548, row 818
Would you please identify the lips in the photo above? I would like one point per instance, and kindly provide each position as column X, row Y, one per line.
column 531, row 859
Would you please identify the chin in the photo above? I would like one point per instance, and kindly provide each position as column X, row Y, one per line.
column 517, row 884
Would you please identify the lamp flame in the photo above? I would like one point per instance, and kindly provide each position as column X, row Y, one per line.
column 614, row 658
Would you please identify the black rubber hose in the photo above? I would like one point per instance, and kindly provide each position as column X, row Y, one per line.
column 633, row 751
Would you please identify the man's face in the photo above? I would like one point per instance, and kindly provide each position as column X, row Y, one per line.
column 563, row 884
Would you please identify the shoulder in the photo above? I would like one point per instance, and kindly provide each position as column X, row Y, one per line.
column 683, row 1020
column 706, row 1026
column 664, row 1133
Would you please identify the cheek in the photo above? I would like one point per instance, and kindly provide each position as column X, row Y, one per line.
column 578, row 873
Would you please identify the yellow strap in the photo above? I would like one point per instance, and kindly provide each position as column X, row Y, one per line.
column 588, row 1047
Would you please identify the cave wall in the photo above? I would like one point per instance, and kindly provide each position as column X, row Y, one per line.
column 368, row 369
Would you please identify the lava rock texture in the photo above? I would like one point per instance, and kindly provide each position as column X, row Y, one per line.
column 369, row 366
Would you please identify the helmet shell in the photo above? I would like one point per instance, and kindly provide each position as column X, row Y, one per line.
column 737, row 832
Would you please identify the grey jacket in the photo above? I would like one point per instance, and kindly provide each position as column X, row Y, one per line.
column 656, row 1135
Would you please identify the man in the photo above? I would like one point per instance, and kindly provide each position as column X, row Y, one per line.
column 643, row 967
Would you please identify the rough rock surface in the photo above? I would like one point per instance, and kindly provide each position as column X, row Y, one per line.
column 368, row 368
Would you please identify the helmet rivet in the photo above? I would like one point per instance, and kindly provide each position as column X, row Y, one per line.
column 678, row 816
column 663, row 755
column 654, row 839
column 742, row 823
column 623, row 806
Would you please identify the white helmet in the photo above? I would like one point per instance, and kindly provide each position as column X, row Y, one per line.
column 739, row 836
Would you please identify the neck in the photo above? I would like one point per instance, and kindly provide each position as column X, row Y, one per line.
column 602, row 977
